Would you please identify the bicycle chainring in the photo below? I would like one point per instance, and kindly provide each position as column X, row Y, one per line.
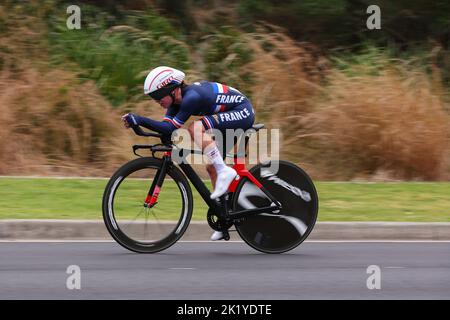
column 216, row 223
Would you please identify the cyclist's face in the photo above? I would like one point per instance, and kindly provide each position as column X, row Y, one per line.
column 168, row 100
column 165, row 102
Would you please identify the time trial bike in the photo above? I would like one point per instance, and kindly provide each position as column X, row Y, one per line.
column 148, row 202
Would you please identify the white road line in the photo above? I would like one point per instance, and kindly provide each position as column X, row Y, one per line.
column 377, row 241
column 57, row 241
column 100, row 241
column 182, row 268
column 231, row 241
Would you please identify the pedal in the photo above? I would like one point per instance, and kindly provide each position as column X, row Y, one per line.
column 226, row 235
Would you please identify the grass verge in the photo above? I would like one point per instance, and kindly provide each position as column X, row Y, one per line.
column 47, row 198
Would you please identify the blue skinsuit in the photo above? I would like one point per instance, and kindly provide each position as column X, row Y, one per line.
column 222, row 108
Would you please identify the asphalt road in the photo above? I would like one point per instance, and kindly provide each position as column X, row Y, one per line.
column 225, row 270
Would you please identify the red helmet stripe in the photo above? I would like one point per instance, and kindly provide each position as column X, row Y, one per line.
column 156, row 77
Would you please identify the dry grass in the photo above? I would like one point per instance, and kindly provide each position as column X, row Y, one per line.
column 286, row 74
column 390, row 125
column 393, row 124
column 287, row 77
column 52, row 124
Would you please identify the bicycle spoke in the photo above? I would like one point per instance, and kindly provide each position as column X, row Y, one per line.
column 146, row 221
column 139, row 213
column 129, row 225
column 159, row 223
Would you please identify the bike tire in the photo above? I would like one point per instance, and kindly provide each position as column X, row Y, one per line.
column 283, row 231
column 177, row 227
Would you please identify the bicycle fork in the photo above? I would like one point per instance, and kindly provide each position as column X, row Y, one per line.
column 152, row 196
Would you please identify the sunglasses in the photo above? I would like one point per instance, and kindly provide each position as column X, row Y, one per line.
column 163, row 92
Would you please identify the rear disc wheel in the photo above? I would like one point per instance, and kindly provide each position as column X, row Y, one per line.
column 284, row 230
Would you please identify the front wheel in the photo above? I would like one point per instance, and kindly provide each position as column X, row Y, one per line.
column 136, row 226
column 281, row 231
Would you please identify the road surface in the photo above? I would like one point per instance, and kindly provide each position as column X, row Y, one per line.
column 225, row 270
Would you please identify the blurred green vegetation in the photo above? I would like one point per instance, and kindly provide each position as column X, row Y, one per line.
column 416, row 30
column 116, row 52
column 373, row 60
column 120, row 41
column 341, row 23
column 388, row 201
column 81, row 199
column 226, row 53
column 117, row 47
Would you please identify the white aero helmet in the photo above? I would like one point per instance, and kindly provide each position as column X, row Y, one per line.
column 161, row 81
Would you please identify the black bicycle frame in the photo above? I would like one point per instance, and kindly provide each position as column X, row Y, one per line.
column 200, row 186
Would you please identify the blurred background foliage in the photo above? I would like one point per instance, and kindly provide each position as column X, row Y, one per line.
column 351, row 103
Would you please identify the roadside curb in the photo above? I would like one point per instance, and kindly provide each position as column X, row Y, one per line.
column 96, row 230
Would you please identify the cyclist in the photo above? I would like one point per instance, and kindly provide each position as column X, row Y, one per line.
column 221, row 107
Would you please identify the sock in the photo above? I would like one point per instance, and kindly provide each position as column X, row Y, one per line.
column 213, row 154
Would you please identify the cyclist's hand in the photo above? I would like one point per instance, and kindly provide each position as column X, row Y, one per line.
column 127, row 120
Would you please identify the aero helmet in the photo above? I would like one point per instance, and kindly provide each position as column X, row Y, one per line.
column 161, row 81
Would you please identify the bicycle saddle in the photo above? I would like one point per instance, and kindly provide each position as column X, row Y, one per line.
column 258, row 126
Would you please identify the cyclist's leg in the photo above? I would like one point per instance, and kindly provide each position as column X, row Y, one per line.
column 241, row 117
column 225, row 175
column 210, row 168
column 199, row 135
column 212, row 174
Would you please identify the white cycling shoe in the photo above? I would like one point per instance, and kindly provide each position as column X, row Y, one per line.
column 224, row 179
column 217, row 235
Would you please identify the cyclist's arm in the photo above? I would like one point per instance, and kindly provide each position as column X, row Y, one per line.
column 189, row 105
column 164, row 127
column 171, row 112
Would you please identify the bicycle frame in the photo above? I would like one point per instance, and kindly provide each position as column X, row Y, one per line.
column 239, row 166
column 275, row 230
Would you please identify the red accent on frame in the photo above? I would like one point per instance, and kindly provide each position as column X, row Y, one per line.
column 239, row 166
column 168, row 153
column 151, row 199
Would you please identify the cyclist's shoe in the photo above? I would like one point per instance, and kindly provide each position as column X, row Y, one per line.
column 224, row 179
column 217, row 235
